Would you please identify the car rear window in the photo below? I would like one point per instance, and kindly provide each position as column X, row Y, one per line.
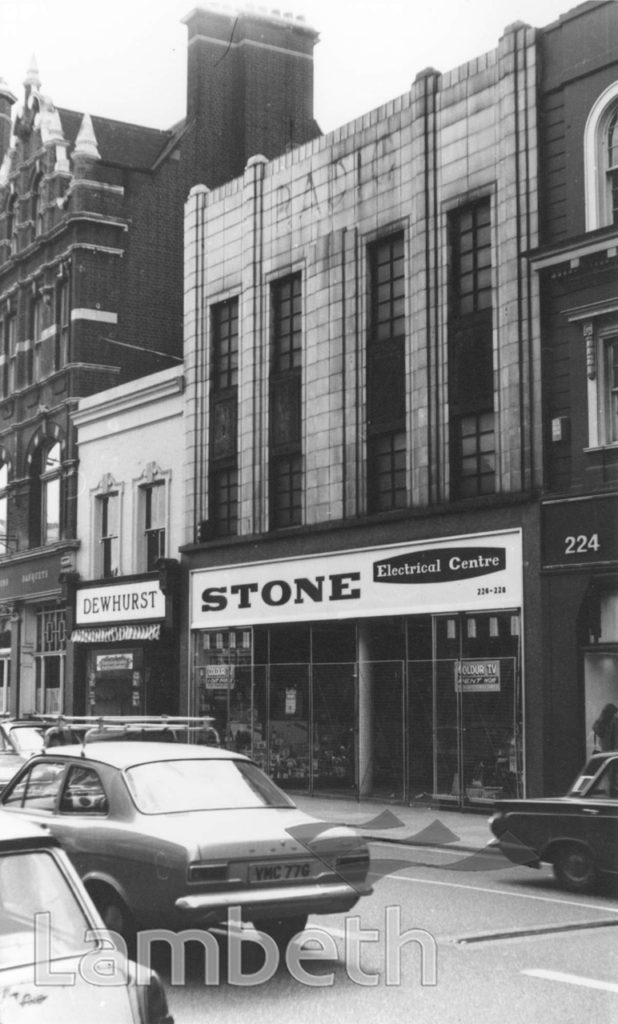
column 165, row 787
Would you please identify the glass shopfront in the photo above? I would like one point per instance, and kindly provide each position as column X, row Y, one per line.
column 398, row 706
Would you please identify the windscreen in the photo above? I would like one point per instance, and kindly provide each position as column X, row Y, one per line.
column 36, row 896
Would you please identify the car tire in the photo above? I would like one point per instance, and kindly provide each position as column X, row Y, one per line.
column 574, row 868
column 116, row 916
column 283, row 929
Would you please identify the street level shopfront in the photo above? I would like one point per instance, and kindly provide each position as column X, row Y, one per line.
column 393, row 672
column 33, row 631
column 580, row 622
column 123, row 648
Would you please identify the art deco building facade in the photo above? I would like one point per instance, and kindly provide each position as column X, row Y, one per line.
column 363, row 445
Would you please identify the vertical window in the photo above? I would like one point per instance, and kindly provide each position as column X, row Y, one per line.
column 4, row 483
column 35, row 330
column 611, row 388
column 223, row 456
column 50, row 495
column 611, row 151
column 49, row 660
column 108, row 534
column 9, row 374
column 11, row 222
column 4, row 356
column 61, row 347
column 36, row 206
column 45, row 495
column 601, row 160
column 470, row 352
column 386, row 391
column 285, row 386
column 154, row 523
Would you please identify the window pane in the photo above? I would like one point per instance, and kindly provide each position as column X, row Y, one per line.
column 52, row 511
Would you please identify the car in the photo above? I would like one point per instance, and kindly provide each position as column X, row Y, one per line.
column 45, row 915
column 174, row 835
column 577, row 834
column 20, row 738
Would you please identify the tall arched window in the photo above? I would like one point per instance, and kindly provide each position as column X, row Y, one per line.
column 611, row 153
column 50, row 495
column 601, row 161
column 45, row 495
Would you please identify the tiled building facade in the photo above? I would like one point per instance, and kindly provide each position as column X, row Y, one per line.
column 363, row 445
column 91, row 264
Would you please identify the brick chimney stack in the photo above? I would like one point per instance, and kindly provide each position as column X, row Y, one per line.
column 249, row 87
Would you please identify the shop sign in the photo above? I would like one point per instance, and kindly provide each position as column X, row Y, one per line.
column 580, row 531
column 115, row 662
column 31, row 578
column 477, row 572
column 119, row 602
column 217, row 677
column 473, row 676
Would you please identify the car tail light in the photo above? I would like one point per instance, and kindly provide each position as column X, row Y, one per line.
column 207, row 872
column 352, row 866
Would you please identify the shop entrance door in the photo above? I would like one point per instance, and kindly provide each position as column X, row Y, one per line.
column 601, row 684
column 478, row 709
column 113, row 695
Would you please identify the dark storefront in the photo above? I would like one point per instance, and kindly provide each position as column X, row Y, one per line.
column 123, row 649
column 393, row 672
column 580, row 598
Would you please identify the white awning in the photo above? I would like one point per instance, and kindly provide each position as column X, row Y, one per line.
column 114, row 634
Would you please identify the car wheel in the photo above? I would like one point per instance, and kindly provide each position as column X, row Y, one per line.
column 574, row 868
column 283, row 929
column 116, row 915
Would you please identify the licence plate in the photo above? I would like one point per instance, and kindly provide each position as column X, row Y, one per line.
column 282, row 871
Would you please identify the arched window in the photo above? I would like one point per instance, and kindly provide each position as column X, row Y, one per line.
column 611, row 153
column 601, row 161
column 46, row 495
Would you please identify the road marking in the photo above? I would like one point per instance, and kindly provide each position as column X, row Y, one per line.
column 506, row 892
column 572, row 979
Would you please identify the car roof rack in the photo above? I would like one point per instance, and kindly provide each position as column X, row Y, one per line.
column 94, row 725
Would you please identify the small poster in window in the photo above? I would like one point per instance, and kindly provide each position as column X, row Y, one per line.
column 290, row 700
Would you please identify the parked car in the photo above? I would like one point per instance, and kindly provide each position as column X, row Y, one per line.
column 177, row 834
column 20, row 738
column 43, row 983
column 577, row 834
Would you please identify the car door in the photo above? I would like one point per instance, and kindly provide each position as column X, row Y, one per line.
column 35, row 791
column 599, row 814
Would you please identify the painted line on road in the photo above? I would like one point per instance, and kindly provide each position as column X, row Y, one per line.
column 572, row 979
column 506, row 892
column 533, row 930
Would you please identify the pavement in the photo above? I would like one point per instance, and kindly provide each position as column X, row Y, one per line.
column 421, row 824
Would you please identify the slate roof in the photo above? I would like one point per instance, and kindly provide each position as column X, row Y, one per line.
column 129, row 145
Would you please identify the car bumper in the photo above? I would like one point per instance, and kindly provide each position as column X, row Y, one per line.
column 292, row 900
